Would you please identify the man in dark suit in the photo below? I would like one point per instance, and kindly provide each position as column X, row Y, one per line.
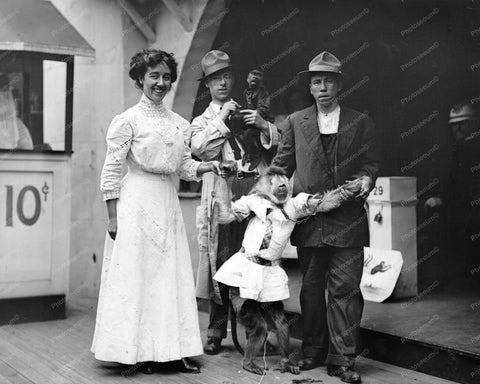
column 326, row 146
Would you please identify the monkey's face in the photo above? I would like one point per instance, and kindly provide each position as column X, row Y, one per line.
column 254, row 79
column 281, row 189
column 275, row 188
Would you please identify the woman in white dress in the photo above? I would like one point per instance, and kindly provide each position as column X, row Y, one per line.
column 147, row 310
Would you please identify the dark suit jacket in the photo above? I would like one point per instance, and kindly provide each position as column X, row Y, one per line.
column 301, row 150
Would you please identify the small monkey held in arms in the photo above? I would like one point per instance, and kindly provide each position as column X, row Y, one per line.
column 256, row 97
column 259, row 282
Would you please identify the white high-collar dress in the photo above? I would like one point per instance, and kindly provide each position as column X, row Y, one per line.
column 147, row 309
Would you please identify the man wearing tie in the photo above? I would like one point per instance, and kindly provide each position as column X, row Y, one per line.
column 212, row 139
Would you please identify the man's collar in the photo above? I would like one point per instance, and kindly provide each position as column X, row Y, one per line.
column 215, row 107
column 333, row 111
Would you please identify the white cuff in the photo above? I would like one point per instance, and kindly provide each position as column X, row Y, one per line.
column 267, row 144
column 110, row 195
column 220, row 125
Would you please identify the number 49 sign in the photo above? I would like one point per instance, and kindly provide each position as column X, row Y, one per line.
column 26, row 234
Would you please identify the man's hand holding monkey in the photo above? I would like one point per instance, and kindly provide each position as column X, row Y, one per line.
column 358, row 188
column 330, row 200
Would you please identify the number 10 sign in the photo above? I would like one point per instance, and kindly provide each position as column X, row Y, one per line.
column 26, row 225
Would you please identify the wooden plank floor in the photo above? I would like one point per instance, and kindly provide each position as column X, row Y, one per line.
column 58, row 352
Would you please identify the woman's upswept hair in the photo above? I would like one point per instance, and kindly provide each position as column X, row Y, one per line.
column 146, row 58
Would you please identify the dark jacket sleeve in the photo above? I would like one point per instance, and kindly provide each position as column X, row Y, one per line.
column 285, row 157
column 370, row 158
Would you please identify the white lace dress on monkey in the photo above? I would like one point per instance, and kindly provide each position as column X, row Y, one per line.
column 263, row 283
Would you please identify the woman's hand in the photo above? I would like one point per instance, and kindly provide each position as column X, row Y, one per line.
column 112, row 227
column 228, row 168
column 112, row 218
column 209, row 166
column 215, row 167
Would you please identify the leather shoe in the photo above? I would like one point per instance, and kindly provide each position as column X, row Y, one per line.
column 213, row 346
column 346, row 374
column 308, row 363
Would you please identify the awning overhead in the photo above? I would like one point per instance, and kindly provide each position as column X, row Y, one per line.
column 36, row 25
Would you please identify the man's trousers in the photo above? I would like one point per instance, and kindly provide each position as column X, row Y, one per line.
column 230, row 237
column 331, row 303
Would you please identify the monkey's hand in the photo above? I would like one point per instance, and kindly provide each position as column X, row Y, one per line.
column 286, row 365
column 222, row 197
column 359, row 187
column 327, row 202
